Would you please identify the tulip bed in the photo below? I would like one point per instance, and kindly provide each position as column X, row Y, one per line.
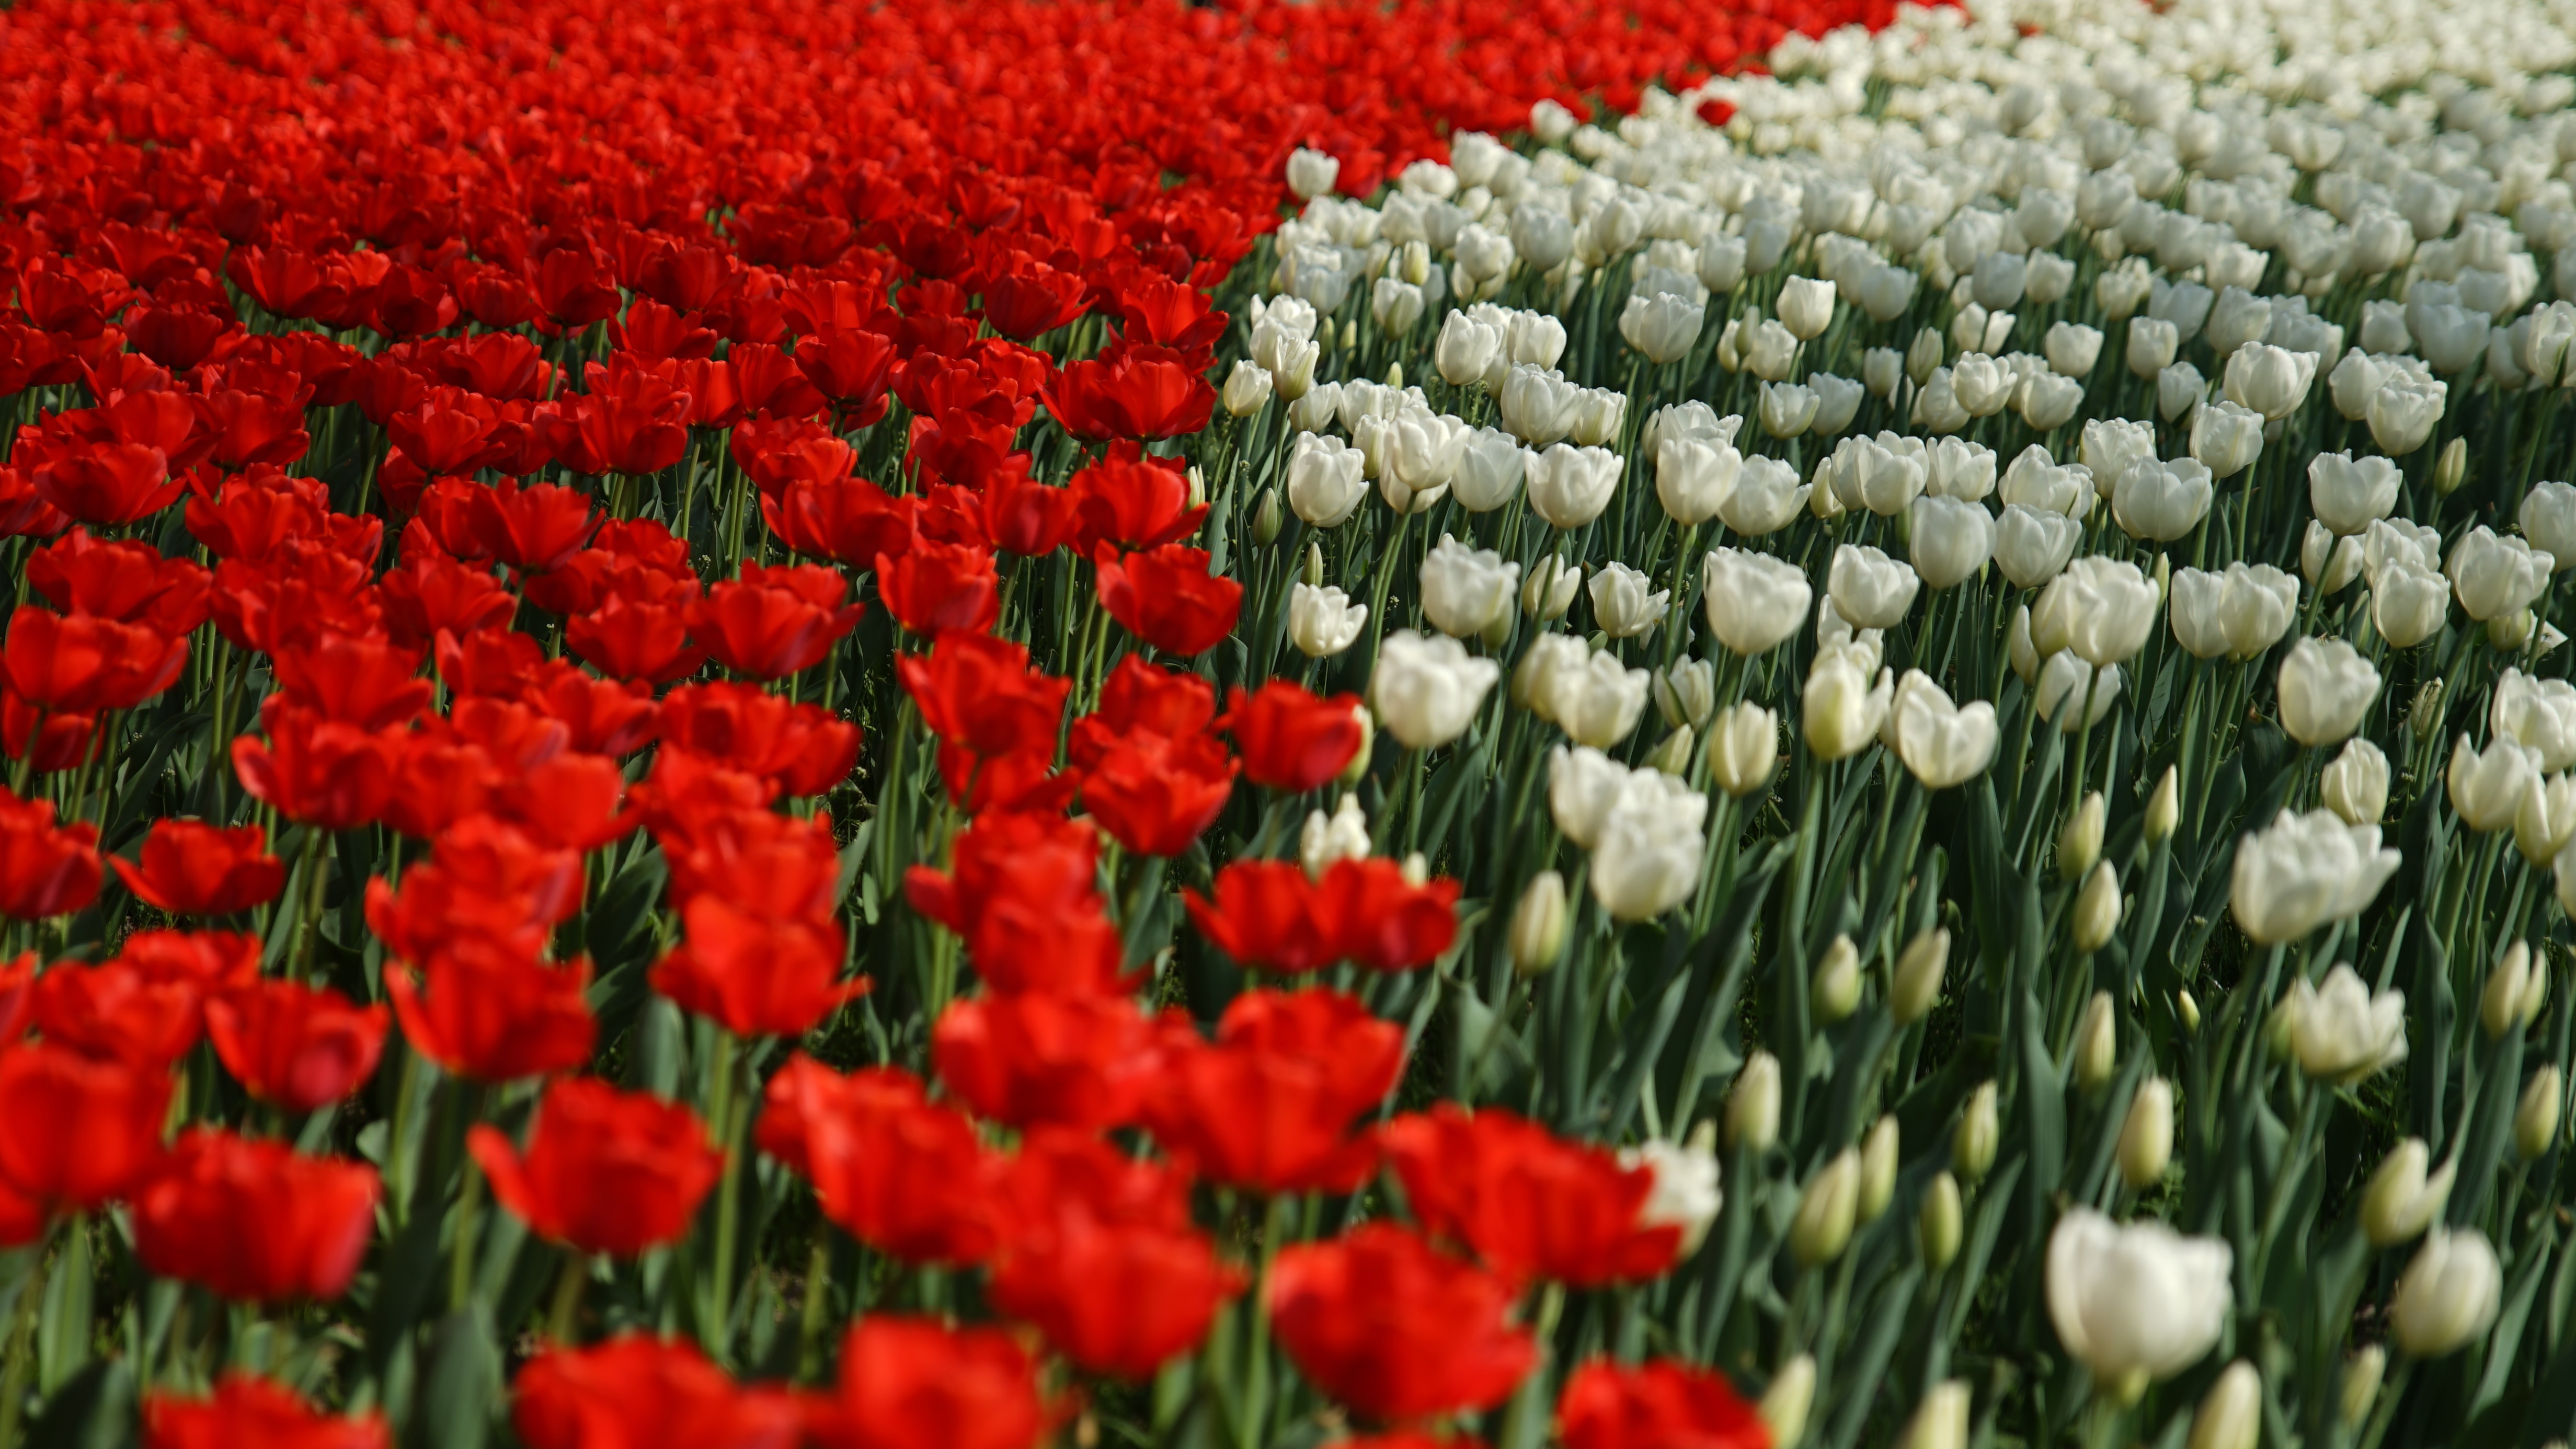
column 988, row 724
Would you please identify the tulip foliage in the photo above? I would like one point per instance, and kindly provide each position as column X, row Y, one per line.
column 1623, row 725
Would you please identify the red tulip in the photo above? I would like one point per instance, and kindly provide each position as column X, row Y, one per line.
column 1167, row 597
column 605, row 1171
column 1142, row 696
column 1530, row 1204
column 370, row 682
column 298, row 1048
column 483, row 1011
column 532, row 527
column 635, row 1391
column 319, row 771
column 247, row 1410
column 1032, row 1060
column 109, row 482
column 75, row 1131
column 1656, row 1405
column 129, row 582
column 81, row 663
column 1269, row 1106
column 1391, row 1327
column 1134, row 501
column 1117, row 1299
column 1372, row 916
column 1155, row 795
column 773, row 622
column 756, row 975
column 1263, row 916
column 45, row 869
column 1023, row 892
column 1131, row 392
column 933, row 588
column 116, row 1012
column 190, row 868
column 254, row 1221
column 902, row 1175
column 910, row 1383
column 1290, row 739
column 979, row 693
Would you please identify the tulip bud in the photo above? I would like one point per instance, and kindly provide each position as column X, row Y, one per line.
column 2361, row 1375
column 1198, row 486
column 2164, row 807
column 2231, row 1413
column 1835, row 992
column 2097, row 1043
column 1784, row 1405
column 1538, row 924
column 2448, row 1296
column 2535, row 1118
column 1350, row 334
column 2280, row 1029
column 2424, row 717
column 2146, row 1135
column 2079, row 842
column 2500, row 1007
column 1753, row 1107
column 2401, row 1200
column 1919, row 969
column 1395, row 374
column 1973, row 1143
column 1826, row 1210
column 1549, row 590
column 1673, row 756
column 1941, row 1420
column 1937, row 1226
column 1266, row 518
column 2452, row 468
column 1743, row 748
column 2097, row 908
column 1313, row 573
column 1924, row 354
column 1357, row 770
column 2188, row 1008
column 1878, row 1169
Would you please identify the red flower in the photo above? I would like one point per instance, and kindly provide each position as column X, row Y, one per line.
column 1117, row 1299
column 910, row 1383
column 1032, row 1060
column 77, row 1132
column 1657, row 1405
column 638, row 641
column 1167, row 598
column 128, row 582
column 1290, row 739
column 1393, row 1328
column 1530, row 1204
column 850, row 521
column 247, row 1410
column 108, row 481
column 900, row 1174
column 755, row 975
column 1026, row 516
column 1029, row 297
column 254, row 1221
column 1141, row 696
column 532, row 527
column 1263, row 916
column 1134, row 501
column 1269, row 1106
column 1371, row 915
column 367, row 681
column 978, row 693
column 116, row 1012
column 605, row 1171
column 773, row 622
column 1131, row 392
column 82, row 663
column 806, row 750
column 1023, row 892
column 319, row 771
column 298, row 1048
column 483, row 1011
column 1156, row 795
column 933, row 588
column 640, row 1391
column 850, row 367
column 45, row 869
column 431, row 592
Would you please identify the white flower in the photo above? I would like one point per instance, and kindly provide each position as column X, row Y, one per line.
column 1342, row 835
column 2325, row 688
column 1870, row 589
column 2271, row 381
column 1884, row 475
column 2032, row 545
column 2161, row 501
column 1647, row 859
column 1467, row 350
column 2355, row 784
column 2497, row 577
column 1582, row 784
column 1569, row 486
column 1840, row 709
column 2074, row 694
column 1426, row 691
column 1311, row 173
column 1597, row 415
column 1753, row 601
column 2343, row 1031
column 1951, row 539
column 1625, row 603
column 1465, row 589
column 1599, row 704
column 1806, row 306
column 2448, row 1296
column 1537, row 406
column 1953, row 467
column 2548, row 519
column 1767, row 496
column 2303, row 871
column 1534, row 679
column 2103, row 609
column 1663, row 327
column 1323, row 622
column 1422, row 453
column 2487, row 786
column 1491, row 467
column 2402, row 1200
column 1944, row 744
column 2539, row 714
column 2239, row 613
column 1685, row 1194
column 2226, row 437
column 2072, row 348
column 2138, row 1302
column 2402, row 413
column 2348, row 495
column 1694, row 477
column 1325, row 485
column 2409, row 603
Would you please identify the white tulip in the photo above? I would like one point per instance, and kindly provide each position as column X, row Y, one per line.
column 1693, row 478
column 2539, row 714
column 2409, row 603
column 2073, row 348
column 1323, row 622
column 1597, row 415
column 1686, row 694
column 2401, row 1200
column 1685, row 1194
column 1599, row 704
column 1325, row 485
column 1870, row 589
column 1491, row 467
column 1743, row 748
column 2152, row 345
column 1570, row 486
column 2497, row 576
column 1625, row 603
column 1536, row 405
column 2403, row 413
column 1426, row 691
column 1806, row 307
column 1550, row 589
column 2348, row 495
column 1950, row 540
column 1534, row 679
column 2271, row 381
column 1466, row 589
column 1753, row 601
column 2036, row 480
column 2355, row 784
column 1944, row 744
column 1648, row 857
column 2138, row 1302
column 1342, row 835
column 2448, row 1296
column 1534, row 339
column 2162, row 501
column 1663, row 327
column 2325, row 688
column 2303, row 871
column 1840, row 708
column 1466, row 351
column 1582, row 784
column 2239, row 613
column 1767, row 497
column 2548, row 519
column 2342, row 1031
column 2102, row 609
column 1954, row 468
column 2032, row 545
column 2487, row 785
column 2073, row 694
column 1312, row 173
column 2227, row 438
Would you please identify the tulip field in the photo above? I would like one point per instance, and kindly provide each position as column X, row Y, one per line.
column 1621, row 724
